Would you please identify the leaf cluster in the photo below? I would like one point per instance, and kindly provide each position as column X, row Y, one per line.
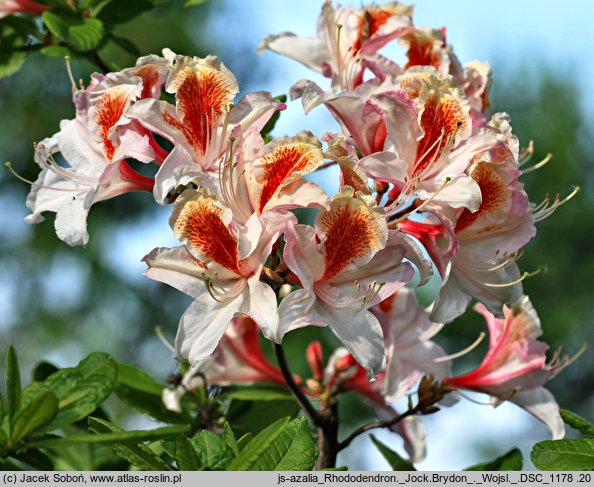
column 58, row 422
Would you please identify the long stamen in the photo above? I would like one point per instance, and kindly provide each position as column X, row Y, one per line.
column 511, row 258
column 538, row 165
column 8, row 165
column 526, row 275
column 427, row 201
column 526, row 153
column 461, row 353
column 543, row 210
column 160, row 336
column 70, row 75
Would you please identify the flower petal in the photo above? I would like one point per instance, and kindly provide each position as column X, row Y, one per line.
column 202, row 326
column 543, row 406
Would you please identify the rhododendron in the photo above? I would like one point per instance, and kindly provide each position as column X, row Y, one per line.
column 429, row 177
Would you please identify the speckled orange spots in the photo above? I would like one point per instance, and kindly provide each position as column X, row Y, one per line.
column 284, row 161
column 442, row 117
column 352, row 233
column 200, row 224
column 422, row 50
column 109, row 109
column 493, row 192
column 370, row 22
column 202, row 97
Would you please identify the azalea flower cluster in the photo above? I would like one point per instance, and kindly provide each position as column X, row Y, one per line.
column 428, row 178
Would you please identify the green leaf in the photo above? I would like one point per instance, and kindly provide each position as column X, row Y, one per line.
column 13, row 384
column 35, row 415
column 564, row 454
column 185, row 456
column 1, row 410
column 512, row 460
column 55, row 51
column 138, row 455
column 283, row 445
column 113, row 13
column 244, row 441
column 87, row 36
column 577, row 422
column 80, row 390
column 82, row 35
column 258, row 394
column 397, row 463
column 116, row 436
column 127, row 45
column 254, row 416
column 229, row 438
column 192, row 3
column 269, row 127
column 212, row 451
column 35, row 459
column 140, row 391
column 43, row 370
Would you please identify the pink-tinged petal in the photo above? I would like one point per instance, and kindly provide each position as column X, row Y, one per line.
column 71, row 219
column 119, row 178
column 361, row 333
column 385, row 166
column 21, row 6
column 307, row 50
column 204, row 89
column 203, row 324
column 296, row 311
column 49, row 193
column 426, row 47
column 298, row 194
column 168, row 176
column 202, row 223
column 444, row 117
column 451, row 301
column 301, row 254
column 365, row 127
column 400, row 116
column 107, row 109
column 78, row 149
column 284, row 161
column 152, row 113
column 177, row 268
column 460, row 191
column 414, row 254
column 543, row 406
column 134, row 145
column 351, row 232
column 254, row 110
column 153, row 70
column 311, row 94
column 261, row 307
column 249, row 236
column 411, row 429
column 369, row 284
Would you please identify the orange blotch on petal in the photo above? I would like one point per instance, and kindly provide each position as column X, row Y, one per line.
column 108, row 111
column 442, row 118
column 200, row 224
column 370, row 22
column 353, row 233
column 283, row 162
column 203, row 96
column 493, row 191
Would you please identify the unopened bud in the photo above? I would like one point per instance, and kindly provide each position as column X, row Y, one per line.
column 315, row 358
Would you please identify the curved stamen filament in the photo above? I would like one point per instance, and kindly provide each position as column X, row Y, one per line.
column 461, row 353
column 538, row 165
column 526, row 275
column 526, row 153
column 8, row 165
column 70, row 75
column 427, row 201
column 543, row 210
column 160, row 336
column 361, row 299
column 511, row 258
